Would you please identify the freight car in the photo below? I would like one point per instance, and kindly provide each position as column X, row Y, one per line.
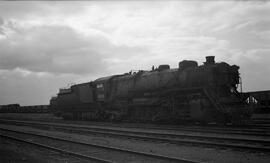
column 260, row 101
column 9, row 108
column 205, row 93
column 16, row 108
column 34, row 109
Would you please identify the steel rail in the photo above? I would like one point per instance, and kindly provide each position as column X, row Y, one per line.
column 78, row 155
column 219, row 131
column 151, row 136
column 146, row 154
column 265, row 131
column 223, row 130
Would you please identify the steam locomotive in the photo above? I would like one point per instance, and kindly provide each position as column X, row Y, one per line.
column 205, row 93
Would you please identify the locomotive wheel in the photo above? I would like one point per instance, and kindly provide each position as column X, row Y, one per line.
column 74, row 116
column 57, row 114
column 67, row 116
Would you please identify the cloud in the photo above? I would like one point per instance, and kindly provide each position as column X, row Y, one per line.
column 30, row 88
column 26, row 9
column 255, row 69
column 50, row 49
column 58, row 49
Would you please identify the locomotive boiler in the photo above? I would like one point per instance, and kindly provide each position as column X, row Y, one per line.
column 205, row 93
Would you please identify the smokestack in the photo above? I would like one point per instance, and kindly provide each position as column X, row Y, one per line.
column 209, row 60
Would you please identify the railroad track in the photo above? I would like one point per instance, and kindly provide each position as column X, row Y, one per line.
column 85, row 150
column 64, row 151
column 250, row 130
column 254, row 130
column 254, row 144
column 214, row 127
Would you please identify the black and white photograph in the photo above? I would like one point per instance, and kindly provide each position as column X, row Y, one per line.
column 135, row 81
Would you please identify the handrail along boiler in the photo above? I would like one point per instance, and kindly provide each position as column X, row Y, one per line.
column 205, row 93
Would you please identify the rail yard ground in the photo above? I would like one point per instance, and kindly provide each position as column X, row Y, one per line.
column 114, row 142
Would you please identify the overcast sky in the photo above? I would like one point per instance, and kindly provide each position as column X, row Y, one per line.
column 48, row 45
